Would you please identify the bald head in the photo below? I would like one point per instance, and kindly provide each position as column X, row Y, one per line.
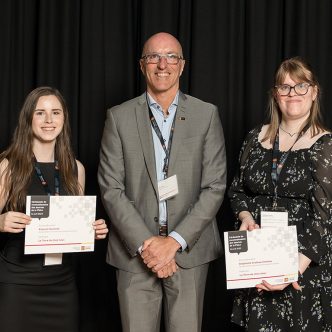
column 162, row 74
column 162, row 40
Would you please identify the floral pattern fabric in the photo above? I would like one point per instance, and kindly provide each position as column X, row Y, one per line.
column 305, row 191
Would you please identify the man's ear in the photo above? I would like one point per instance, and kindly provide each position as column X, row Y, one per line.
column 142, row 66
column 182, row 66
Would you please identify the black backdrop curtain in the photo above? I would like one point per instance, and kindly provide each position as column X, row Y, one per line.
column 89, row 50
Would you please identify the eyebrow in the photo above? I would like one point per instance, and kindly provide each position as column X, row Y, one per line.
column 53, row 109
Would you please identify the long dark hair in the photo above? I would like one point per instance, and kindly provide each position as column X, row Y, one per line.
column 19, row 155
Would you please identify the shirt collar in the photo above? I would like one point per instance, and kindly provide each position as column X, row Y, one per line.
column 153, row 103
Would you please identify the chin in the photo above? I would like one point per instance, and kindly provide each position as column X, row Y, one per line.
column 46, row 140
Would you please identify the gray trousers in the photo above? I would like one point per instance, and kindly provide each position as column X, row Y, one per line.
column 142, row 297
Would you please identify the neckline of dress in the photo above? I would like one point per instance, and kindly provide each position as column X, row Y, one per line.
column 295, row 150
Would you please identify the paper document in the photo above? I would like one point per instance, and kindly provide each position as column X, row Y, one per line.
column 60, row 224
column 269, row 254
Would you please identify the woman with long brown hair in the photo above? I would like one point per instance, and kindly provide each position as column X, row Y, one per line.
column 288, row 166
column 36, row 296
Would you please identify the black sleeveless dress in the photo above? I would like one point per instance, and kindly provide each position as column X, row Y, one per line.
column 34, row 297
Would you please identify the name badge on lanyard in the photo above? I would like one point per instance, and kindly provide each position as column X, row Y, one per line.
column 50, row 259
column 278, row 216
column 168, row 187
column 274, row 218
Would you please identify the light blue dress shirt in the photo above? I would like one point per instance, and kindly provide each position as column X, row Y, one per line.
column 164, row 124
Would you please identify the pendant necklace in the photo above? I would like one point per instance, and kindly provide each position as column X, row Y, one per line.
column 288, row 133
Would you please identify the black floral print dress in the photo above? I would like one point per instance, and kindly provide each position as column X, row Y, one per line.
column 305, row 190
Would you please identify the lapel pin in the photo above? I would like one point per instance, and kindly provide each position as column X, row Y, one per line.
column 182, row 118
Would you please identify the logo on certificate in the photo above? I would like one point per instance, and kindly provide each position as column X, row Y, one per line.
column 40, row 206
column 237, row 242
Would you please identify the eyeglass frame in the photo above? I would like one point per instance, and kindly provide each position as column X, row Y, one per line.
column 293, row 87
column 166, row 56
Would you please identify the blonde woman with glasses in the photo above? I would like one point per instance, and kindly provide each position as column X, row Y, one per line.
column 288, row 166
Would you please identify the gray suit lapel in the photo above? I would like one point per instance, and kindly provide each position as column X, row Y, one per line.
column 145, row 134
column 180, row 124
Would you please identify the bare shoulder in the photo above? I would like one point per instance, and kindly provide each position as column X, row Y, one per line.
column 266, row 144
column 308, row 141
column 323, row 133
column 325, row 137
column 263, row 131
column 81, row 176
column 80, row 167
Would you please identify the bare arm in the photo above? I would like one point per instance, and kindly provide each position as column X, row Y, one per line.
column 81, row 176
column 11, row 221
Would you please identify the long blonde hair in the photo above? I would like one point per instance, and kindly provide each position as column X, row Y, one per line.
column 300, row 71
column 18, row 172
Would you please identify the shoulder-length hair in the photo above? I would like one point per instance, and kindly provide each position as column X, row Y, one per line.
column 299, row 71
column 19, row 155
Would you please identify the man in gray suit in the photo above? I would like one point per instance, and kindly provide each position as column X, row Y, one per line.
column 162, row 177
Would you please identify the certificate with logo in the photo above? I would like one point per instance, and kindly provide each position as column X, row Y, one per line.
column 60, row 224
column 269, row 254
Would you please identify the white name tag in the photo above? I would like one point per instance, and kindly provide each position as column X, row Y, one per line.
column 274, row 219
column 53, row 259
column 168, row 188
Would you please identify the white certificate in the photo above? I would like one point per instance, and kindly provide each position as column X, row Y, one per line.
column 60, row 224
column 269, row 254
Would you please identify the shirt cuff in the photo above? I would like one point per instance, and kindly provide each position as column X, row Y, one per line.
column 177, row 237
column 139, row 250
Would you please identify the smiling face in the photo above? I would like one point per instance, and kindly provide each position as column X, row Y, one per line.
column 293, row 106
column 48, row 119
column 162, row 77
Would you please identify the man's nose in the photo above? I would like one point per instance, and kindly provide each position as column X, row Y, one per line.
column 162, row 63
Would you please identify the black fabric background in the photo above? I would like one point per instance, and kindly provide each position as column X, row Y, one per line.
column 89, row 50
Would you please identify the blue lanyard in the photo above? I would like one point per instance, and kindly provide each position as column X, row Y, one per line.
column 277, row 166
column 161, row 139
column 43, row 181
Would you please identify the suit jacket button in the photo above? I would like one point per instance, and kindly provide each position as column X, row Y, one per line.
column 155, row 219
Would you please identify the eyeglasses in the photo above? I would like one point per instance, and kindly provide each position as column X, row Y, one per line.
column 300, row 89
column 171, row 59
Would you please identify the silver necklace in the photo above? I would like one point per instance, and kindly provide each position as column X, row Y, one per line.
column 291, row 135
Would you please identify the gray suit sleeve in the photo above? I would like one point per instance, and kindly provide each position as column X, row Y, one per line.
column 213, row 184
column 125, row 219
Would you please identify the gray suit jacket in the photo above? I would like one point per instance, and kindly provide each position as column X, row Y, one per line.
column 127, row 179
